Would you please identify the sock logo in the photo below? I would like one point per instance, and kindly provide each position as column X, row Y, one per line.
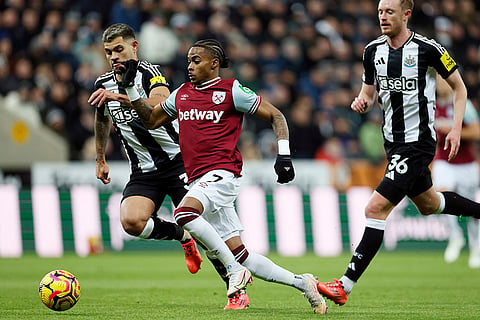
column 358, row 255
column 351, row 266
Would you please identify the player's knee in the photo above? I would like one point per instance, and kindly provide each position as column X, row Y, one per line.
column 375, row 212
column 132, row 225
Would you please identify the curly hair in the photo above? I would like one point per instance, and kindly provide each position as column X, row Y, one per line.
column 215, row 48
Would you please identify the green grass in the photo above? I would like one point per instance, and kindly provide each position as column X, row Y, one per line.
column 156, row 285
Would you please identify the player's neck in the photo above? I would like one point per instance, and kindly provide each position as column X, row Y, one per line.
column 399, row 40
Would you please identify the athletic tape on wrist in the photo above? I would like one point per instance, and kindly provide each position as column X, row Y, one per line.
column 283, row 147
column 132, row 93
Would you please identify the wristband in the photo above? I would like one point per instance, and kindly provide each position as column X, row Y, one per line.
column 283, row 147
column 132, row 93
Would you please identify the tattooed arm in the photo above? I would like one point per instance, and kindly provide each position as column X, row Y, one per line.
column 283, row 164
column 270, row 113
column 102, row 133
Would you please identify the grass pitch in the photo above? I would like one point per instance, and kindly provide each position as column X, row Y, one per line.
column 157, row 285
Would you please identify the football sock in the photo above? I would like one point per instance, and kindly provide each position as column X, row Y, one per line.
column 147, row 230
column 347, row 284
column 367, row 248
column 265, row 269
column 158, row 229
column 203, row 232
column 457, row 205
column 220, row 268
column 186, row 236
column 241, row 253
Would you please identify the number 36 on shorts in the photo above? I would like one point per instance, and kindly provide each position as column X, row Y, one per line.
column 398, row 164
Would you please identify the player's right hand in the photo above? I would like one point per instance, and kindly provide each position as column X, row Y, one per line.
column 359, row 105
column 128, row 71
column 101, row 96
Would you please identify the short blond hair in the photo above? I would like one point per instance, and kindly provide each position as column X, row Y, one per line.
column 406, row 4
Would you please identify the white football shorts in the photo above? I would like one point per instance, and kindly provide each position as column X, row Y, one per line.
column 217, row 190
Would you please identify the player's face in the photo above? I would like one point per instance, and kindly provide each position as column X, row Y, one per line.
column 201, row 65
column 120, row 50
column 392, row 18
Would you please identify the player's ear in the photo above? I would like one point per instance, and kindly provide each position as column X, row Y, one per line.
column 135, row 46
column 215, row 63
column 408, row 13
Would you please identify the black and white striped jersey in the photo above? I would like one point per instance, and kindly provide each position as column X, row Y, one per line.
column 147, row 150
column 406, row 79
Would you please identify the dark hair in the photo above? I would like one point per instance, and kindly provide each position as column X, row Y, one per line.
column 216, row 50
column 118, row 30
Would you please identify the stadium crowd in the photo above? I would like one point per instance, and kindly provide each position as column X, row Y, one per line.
column 303, row 56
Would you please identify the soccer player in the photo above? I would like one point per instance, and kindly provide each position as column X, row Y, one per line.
column 210, row 112
column 399, row 68
column 155, row 161
column 460, row 174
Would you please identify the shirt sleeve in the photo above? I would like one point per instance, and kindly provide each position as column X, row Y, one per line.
column 368, row 66
column 153, row 76
column 441, row 60
column 103, row 108
column 245, row 99
column 169, row 104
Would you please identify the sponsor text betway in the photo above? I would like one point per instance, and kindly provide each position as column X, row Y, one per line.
column 195, row 114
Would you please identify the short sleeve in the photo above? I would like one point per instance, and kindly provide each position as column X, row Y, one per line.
column 368, row 66
column 441, row 60
column 169, row 104
column 244, row 99
column 103, row 108
column 152, row 76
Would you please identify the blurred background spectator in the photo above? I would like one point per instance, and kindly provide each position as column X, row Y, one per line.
column 304, row 56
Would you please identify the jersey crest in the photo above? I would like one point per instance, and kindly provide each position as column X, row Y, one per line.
column 218, row 96
column 410, row 61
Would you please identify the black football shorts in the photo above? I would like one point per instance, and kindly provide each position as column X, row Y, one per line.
column 407, row 172
column 156, row 186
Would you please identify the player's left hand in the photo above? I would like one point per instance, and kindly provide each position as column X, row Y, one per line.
column 128, row 71
column 284, row 169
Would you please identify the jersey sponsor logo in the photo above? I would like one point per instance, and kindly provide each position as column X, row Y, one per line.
column 397, row 84
column 410, row 62
column 245, row 89
column 218, row 97
column 195, row 114
column 123, row 115
column 447, row 61
column 157, row 79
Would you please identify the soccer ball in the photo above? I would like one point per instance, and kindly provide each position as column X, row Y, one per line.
column 59, row 290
